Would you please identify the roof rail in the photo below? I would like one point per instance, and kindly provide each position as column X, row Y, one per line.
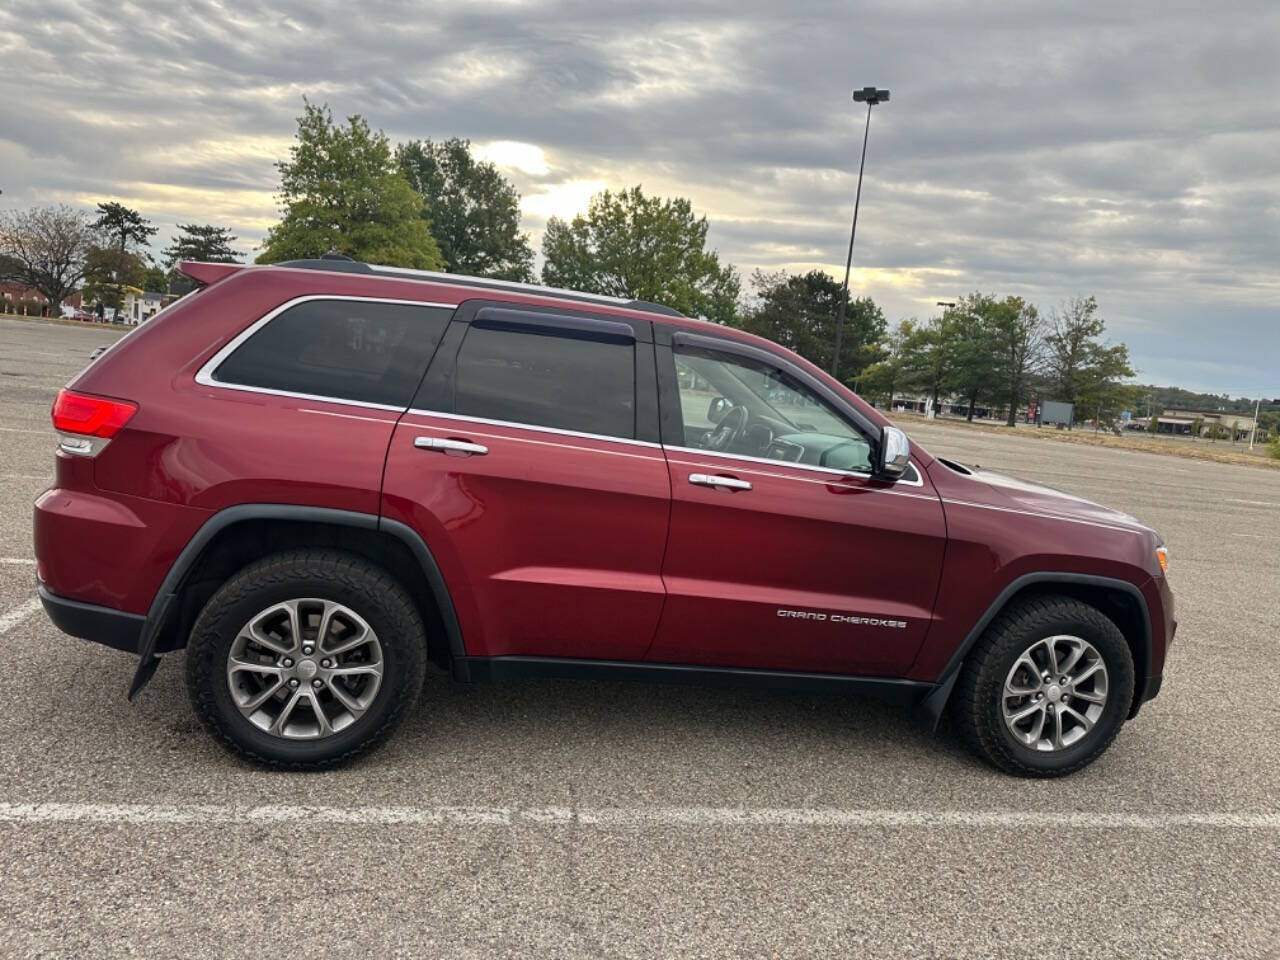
column 346, row 265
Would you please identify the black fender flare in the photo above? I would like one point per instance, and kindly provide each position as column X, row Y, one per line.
column 929, row 710
column 165, row 600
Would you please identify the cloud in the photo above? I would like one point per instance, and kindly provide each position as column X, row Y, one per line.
column 1044, row 149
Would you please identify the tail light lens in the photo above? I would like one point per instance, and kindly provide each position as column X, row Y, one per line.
column 87, row 423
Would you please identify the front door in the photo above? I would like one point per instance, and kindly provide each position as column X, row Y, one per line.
column 784, row 553
column 530, row 466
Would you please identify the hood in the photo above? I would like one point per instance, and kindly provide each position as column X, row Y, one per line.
column 1001, row 490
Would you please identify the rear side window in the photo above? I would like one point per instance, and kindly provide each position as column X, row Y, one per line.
column 344, row 349
column 566, row 379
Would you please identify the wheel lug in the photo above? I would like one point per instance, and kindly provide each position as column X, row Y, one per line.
column 326, row 663
column 1064, row 681
column 317, row 683
column 1051, row 708
column 293, row 681
column 287, row 662
column 308, row 650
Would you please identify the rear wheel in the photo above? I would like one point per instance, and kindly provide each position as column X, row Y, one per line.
column 1046, row 689
column 306, row 659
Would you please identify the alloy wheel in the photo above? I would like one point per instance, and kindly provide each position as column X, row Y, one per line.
column 304, row 669
column 1055, row 693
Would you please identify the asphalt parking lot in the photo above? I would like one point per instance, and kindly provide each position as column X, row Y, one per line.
column 569, row 819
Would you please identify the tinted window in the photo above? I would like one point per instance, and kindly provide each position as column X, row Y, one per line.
column 345, row 349
column 570, row 380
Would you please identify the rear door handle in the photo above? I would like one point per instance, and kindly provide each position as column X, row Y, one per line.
column 450, row 446
column 722, row 483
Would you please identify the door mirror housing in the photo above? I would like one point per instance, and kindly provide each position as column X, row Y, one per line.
column 893, row 455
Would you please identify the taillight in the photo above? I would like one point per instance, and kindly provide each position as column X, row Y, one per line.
column 85, row 415
column 86, row 424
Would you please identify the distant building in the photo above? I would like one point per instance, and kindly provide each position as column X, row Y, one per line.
column 140, row 305
column 1234, row 426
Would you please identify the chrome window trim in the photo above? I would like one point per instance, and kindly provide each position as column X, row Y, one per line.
column 862, row 474
column 530, row 426
column 204, row 376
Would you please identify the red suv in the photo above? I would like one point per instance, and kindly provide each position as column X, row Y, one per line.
column 320, row 475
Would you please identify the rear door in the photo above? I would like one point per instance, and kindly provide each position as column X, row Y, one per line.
column 529, row 462
column 784, row 553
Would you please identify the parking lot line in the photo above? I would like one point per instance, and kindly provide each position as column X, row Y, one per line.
column 42, row 433
column 16, row 562
column 622, row 817
column 11, row 618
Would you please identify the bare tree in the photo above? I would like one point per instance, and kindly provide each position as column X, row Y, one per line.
column 44, row 248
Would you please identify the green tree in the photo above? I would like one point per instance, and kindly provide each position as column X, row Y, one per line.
column 800, row 311
column 927, row 356
column 203, row 242
column 1082, row 368
column 156, row 279
column 340, row 191
column 123, row 227
column 972, row 347
column 641, row 248
column 125, row 231
column 883, row 379
column 107, row 272
column 1017, row 339
column 475, row 210
column 45, row 248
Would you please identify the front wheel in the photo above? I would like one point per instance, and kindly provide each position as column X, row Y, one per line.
column 1046, row 689
column 306, row 659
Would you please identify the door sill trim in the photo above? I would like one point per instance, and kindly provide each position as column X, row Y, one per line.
column 889, row 689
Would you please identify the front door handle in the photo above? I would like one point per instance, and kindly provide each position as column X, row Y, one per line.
column 450, row 446
column 722, row 483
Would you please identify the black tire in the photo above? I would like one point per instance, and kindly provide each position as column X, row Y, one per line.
column 362, row 586
column 977, row 703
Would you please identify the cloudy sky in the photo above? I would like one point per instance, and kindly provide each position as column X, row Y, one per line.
column 1129, row 150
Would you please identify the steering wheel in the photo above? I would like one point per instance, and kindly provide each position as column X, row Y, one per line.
column 728, row 431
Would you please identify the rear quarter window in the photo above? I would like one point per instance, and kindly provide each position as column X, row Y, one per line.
column 365, row 351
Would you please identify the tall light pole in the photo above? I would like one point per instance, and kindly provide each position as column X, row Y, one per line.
column 870, row 96
column 1254, row 432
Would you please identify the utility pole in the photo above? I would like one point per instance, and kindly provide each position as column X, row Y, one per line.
column 1257, row 404
column 871, row 96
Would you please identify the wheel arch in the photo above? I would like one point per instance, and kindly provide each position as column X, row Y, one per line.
column 239, row 534
column 1119, row 600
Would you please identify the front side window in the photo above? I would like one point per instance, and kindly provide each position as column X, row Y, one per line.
column 358, row 350
column 568, row 380
column 731, row 404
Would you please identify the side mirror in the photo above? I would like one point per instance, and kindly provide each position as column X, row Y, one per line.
column 894, row 453
column 718, row 408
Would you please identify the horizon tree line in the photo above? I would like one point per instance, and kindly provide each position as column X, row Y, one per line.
column 345, row 188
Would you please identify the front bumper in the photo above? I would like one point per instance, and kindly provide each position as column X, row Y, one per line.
column 112, row 628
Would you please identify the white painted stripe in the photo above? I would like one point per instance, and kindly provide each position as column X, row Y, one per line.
column 43, row 433
column 16, row 561
column 13, row 617
column 26, row 476
column 621, row 817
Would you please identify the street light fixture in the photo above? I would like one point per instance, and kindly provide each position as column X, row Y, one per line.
column 870, row 96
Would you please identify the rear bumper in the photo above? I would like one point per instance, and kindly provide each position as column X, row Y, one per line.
column 112, row 628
